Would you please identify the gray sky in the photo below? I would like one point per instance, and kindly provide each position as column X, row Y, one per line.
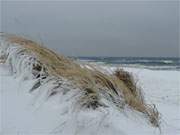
column 97, row 28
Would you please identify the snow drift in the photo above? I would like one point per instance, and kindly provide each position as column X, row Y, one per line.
column 85, row 87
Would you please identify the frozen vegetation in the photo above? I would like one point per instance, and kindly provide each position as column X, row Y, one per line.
column 45, row 93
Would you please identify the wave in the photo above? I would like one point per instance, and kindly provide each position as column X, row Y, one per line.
column 143, row 62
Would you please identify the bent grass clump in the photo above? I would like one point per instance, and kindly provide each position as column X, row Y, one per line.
column 118, row 87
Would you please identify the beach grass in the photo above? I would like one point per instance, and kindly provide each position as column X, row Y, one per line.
column 120, row 84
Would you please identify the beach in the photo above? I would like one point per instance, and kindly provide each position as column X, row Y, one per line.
column 23, row 113
column 45, row 93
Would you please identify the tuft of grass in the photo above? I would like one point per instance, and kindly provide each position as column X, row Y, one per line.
column 134, row 97
column 91, row 81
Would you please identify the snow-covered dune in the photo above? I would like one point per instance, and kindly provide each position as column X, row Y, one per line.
column 23, row 113
column 29, row 108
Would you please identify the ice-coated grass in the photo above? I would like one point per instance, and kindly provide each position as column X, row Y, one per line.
column 30, row 60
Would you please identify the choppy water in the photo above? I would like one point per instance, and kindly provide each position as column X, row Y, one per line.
column 138, row 62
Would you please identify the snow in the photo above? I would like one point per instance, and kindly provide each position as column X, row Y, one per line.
column 162, row 88
column 35, row 113
column 24, row 113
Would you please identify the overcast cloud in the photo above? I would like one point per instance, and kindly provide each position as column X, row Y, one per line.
column 97, row 28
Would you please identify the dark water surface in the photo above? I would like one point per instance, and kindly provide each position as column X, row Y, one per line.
column 157, row 63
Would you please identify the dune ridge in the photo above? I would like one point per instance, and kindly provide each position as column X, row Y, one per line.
column 119, row 88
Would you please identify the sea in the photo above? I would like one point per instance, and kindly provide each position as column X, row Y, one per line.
column 153, row 63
